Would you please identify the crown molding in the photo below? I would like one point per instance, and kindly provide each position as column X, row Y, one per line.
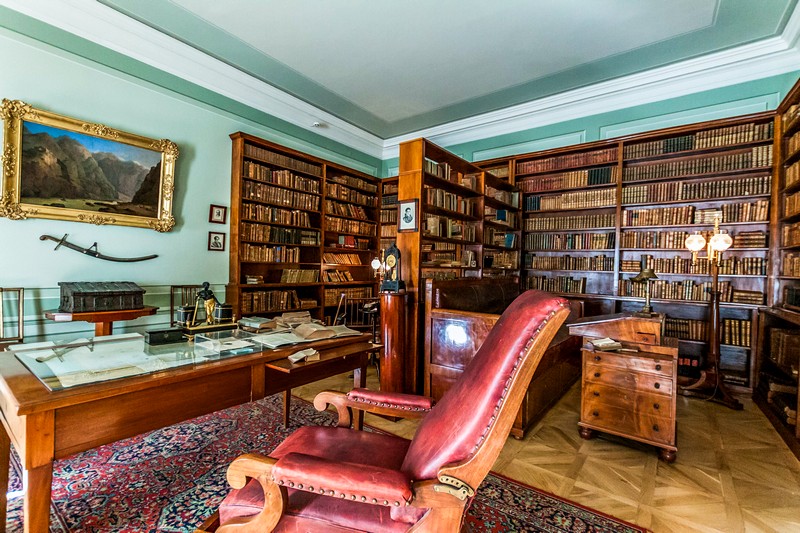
column 105, row 26
column 769, row 57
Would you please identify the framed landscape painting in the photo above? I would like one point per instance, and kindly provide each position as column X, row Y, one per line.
column 67, row 169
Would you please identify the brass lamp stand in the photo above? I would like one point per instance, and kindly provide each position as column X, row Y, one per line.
column 710, row 385
column 646, row 275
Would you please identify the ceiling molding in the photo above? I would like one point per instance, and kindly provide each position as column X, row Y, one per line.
column 761, row 59
column 109, row 28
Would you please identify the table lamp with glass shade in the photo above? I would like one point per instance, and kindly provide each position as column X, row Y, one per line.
column 710, row 385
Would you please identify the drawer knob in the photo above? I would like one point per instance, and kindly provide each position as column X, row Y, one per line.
column 655, row 427
column 657, row 385
column 597, row 358
column 597, row 374
column 595, row 393
column 656, row 406
column 658, row 367
column 595, row 413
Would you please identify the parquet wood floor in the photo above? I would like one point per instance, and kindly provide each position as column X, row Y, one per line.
column 733, row 472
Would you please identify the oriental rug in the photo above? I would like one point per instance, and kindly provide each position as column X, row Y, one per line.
column 171, row 479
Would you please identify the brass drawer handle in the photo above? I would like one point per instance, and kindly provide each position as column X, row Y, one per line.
column 658, row 367
column 597, row 374
column 595, row 413
column 595, row 393
column 656, row 406
column 655, row 427
column 657, row 385
column 597, row 358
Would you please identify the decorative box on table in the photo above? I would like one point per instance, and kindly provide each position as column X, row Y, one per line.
column 93, row 296
column 225, row 343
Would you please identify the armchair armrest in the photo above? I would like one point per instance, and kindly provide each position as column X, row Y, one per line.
column 376, row 402
column 366, row 484
column 260, row 468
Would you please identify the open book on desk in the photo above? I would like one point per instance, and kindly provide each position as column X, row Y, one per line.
column 305, row 333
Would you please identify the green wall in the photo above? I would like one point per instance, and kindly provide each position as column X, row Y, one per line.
column 49, row 78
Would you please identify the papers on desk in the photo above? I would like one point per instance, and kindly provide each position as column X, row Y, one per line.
column 302, row 334
column 83, row 361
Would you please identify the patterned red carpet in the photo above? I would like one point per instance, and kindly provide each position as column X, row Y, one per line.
column 171, row 479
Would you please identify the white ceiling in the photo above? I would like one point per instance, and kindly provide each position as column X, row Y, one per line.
column 402, row 59
column 373, row 73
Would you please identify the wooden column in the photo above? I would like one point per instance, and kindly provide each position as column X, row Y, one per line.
column 394, row 311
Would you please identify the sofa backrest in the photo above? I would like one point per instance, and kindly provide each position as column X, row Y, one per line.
column 475, row 295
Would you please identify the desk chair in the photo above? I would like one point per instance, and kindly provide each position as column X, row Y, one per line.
column 337, row 479
column 11, row 301
column 362, row 314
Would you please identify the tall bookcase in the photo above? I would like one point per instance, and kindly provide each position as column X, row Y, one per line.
column 448, row 243
column 594, row 214
column 501, row 224
column 303, row 231
column 779, row 326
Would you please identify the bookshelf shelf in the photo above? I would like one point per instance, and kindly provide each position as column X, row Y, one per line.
column 699, row 151
column 434, row 210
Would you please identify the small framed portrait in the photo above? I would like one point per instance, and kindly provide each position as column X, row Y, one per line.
column 216, row 241
column 408, row 211
column 217, row 214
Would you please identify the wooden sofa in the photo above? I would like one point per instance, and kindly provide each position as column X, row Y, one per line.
column 458, row 317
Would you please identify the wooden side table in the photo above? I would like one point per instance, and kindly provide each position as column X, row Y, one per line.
column 103, row 320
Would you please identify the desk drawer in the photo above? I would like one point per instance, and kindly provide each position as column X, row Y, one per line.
column 662, row 366
column 640, row 402
column 625, row 422
column 627, row 379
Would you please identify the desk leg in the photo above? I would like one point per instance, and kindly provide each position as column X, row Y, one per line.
column 359, row 382
column 287, row 405
column 36, row 507
column 5, row 458
column 101, row 329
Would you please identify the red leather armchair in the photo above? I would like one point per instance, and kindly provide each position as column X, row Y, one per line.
column 336, row 479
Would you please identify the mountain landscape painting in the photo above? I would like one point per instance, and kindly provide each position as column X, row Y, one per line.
column 67, row 169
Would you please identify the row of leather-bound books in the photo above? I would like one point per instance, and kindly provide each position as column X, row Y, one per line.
column 756, row 157
column 284, row 178
column 263, row 192
column 714, row 138
column 282, row 160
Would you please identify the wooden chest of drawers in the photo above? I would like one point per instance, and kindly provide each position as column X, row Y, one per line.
column 631, row 393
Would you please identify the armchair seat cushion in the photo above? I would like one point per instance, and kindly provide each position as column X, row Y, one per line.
column 324, row 513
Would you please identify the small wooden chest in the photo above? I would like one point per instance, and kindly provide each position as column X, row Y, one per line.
column 89, row 296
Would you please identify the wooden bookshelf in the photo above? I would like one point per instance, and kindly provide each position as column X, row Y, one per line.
column 303, row 230
column 449, row 241
column 594, row 213
column 779, row 327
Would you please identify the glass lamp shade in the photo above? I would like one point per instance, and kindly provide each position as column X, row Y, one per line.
column 376, row 264
column 721, row 242
column 695, row 242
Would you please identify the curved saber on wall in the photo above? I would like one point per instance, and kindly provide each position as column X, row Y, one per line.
column 92, row 250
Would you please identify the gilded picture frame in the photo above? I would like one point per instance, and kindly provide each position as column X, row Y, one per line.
column 64, row 168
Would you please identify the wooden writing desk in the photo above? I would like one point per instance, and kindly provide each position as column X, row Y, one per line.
column 103, row 320
column 46, row 425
